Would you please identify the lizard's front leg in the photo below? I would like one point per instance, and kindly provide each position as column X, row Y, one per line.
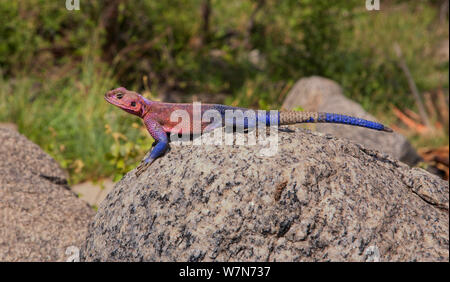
column 161, row 140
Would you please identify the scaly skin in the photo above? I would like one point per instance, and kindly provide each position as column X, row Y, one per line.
column 156, row 117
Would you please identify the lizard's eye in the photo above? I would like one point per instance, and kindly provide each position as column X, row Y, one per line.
column 119, row 95
column 133, row 104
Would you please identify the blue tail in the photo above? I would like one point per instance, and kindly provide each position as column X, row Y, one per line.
column 293, row 117
column 338, row 118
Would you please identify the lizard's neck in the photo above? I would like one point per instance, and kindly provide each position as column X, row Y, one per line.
column 146, row 105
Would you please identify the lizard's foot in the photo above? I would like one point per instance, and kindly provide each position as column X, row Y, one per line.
column 143, row 166
column 285, row 129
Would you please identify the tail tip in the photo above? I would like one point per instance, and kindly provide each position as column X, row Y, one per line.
column 387, row 129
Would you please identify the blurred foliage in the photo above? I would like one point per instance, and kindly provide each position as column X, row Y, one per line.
column 55, row 64
column 124, row 151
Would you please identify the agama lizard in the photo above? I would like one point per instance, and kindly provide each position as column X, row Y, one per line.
column 156, row 116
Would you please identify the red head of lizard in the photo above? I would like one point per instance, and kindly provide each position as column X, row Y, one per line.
column 128, row 101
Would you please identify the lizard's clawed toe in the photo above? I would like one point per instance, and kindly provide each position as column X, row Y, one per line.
column 143, row 166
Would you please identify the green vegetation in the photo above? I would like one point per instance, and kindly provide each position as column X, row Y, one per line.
column 55, row 65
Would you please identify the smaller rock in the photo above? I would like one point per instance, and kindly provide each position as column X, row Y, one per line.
column 41, row 219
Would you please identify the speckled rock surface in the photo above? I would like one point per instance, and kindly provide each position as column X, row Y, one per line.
column 324, row 95
column 317, row 199
column 39, row 216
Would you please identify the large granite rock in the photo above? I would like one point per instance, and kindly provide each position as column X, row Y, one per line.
column 318, row 198
column 324, row 95
column 39, row 216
